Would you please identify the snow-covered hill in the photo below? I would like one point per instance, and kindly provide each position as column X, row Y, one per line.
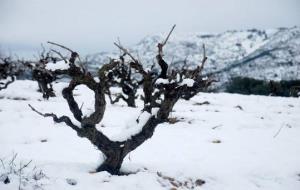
column 232, row 142
column 261, row 54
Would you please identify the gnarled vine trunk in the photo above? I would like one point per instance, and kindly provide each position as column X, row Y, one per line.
column 112, row 162
column 159, row 100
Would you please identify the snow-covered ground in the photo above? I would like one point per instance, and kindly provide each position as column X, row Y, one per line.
column 233, row 142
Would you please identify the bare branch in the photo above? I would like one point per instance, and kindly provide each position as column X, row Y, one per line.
column 60, row 55
column 43, row 52
column 2, row 163
column 56, row 119
column 198, row 70
column 59, row 45
column 119, row 42
column 13, row 158
column 135, row 64
column 277, row 133
column 167, row 38
column 125, row 51
column 204, row 57
column 161, row 45
column 24, row 166
column 81, row 106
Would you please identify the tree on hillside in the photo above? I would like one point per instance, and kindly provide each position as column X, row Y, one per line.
column 160, row 95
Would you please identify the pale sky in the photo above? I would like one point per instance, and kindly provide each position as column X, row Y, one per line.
column 93, row 25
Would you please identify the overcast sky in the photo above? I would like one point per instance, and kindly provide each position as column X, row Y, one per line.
column 92, row 25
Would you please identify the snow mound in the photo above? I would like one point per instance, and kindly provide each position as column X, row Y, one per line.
column 62, row 65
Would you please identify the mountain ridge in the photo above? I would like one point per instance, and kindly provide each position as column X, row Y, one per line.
column 272, row 54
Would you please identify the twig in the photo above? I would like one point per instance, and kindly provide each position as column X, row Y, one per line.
column 13, row 159
column 60, row 55
column 42, row 114
column 81, row 106
column 24, row 166
column 216, row 127
column 161, row 45
column 125, row 51
column 119, row 42
column 66, row 48
column 20, row 179
column 43, row 51
column 2, row 163
column 171, row 63
column 59, row 45
column 198, row 70
column 167, row 38
column 204, row 57
column 278, row 131
column 64, row 119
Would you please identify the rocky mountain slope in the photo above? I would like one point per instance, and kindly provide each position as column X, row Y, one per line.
column 262, row 54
